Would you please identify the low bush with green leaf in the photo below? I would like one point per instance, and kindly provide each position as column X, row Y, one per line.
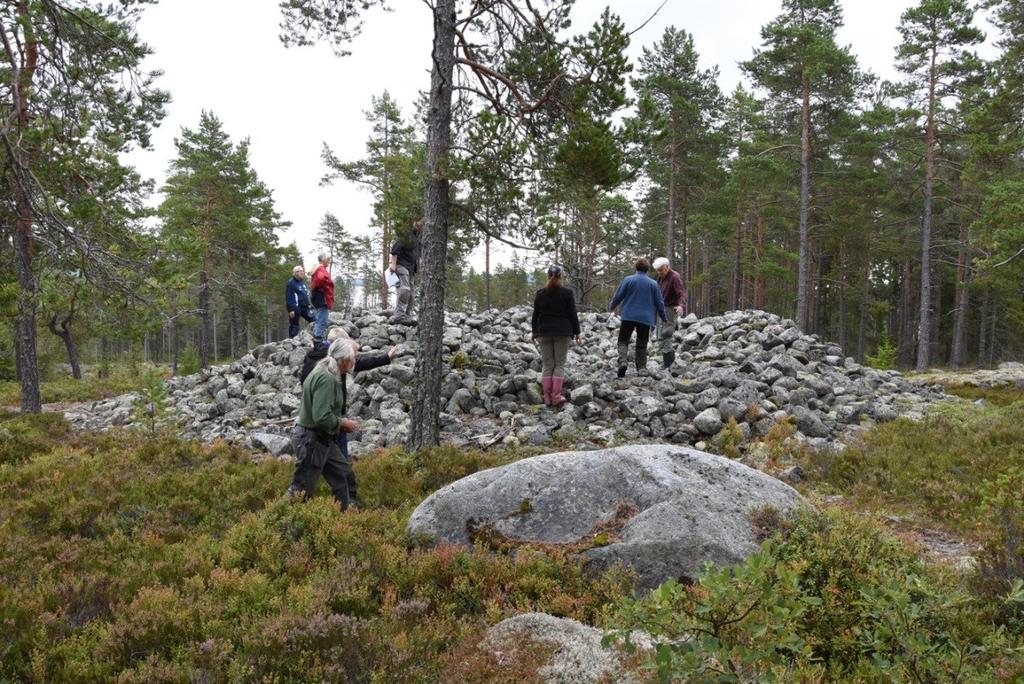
column 135, row 558
column 91, row 387
column 935, row 468
column 831, row 598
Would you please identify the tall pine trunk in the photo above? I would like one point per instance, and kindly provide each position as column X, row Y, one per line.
column 673, row 202
column 487, row 272
column 25, row 335
column 803, row 270
column 758, row 261
column 905, row 319
column 957, row 355
column 986, row 297
column 862, row 315
column 737, row 260
column 842, row 296
column 424, row 426
column 924, row 321
column 205, row 314
column 386, row 216
column 28, row 363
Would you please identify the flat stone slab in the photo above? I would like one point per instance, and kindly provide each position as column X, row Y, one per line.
column 691, row 507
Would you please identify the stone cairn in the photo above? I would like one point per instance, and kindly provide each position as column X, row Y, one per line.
column 750, row 366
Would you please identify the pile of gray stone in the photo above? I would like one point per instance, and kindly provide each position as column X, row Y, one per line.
column 744, row 370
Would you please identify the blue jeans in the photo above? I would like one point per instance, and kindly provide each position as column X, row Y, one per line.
column 320, row 327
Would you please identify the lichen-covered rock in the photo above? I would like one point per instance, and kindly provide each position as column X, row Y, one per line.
column 751, row 366
column 689, row 507
column 557, row 649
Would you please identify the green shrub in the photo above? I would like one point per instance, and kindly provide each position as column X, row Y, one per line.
column 1000, row 570
column 884, row 357
column 189, row 361
column 24, row 436
column 135, row 558
column 934, row 468
column 833, row 598
column 152, row 407
column 90, row 387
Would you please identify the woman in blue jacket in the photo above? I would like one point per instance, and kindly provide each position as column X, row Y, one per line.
column 641, row 299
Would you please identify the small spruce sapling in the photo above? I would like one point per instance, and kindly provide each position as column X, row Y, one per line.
column 152, row 407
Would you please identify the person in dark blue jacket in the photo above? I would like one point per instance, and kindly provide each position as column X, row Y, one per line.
column 296, row 300
column 641, row 299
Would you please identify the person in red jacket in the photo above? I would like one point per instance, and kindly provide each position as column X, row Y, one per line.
column 674, row 293
column 322, row 286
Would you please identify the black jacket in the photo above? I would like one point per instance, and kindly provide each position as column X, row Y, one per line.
column 554, row 313
column 363, row 362
column 408, row 254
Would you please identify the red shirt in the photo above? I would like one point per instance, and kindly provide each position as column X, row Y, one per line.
column 672, row 290
column 323, row 285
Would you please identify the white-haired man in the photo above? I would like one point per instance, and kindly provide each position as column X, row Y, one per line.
column 313, row 358
column 674, row 293
column 296, row 300
column 321, row 419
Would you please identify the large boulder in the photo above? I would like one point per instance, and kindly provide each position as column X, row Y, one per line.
column 685, row 508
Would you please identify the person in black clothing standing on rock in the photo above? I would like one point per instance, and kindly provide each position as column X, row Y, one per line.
column 405, row 261
column 554, row 325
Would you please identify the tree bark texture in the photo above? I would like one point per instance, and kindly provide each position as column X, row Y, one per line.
column 924, row 321
column 958, row 355
column 424, row 426
column 63, row 331
column 905, row 317
column 25, row 333
column 205, row 314
column 737, row 260
column 28, row 363
column 805, row 194
column 673, row 203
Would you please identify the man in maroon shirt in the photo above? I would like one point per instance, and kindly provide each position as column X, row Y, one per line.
column 674, row 293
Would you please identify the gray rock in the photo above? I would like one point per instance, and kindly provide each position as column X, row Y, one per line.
column 577, row 655
column 691, row 507
column 808, row 422
column 708, row 421
column 583, row 394
column 275, row 444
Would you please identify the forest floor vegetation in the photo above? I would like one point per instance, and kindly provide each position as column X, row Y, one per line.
column 139, row 558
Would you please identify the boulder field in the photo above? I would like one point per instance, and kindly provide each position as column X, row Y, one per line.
column 753, row 367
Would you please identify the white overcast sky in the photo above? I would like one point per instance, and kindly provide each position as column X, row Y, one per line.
column 224, row 56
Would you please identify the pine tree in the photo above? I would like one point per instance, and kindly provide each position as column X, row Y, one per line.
column 679, row 106
column 74, row 85
column 933, row 56
column 392, row 171
column 800, row 60
column 215, row 205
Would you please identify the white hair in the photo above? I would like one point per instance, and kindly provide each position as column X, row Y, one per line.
column 322, row 257
column 659, row 262
column 297, row 269
column 339, row 352
column 337, row 333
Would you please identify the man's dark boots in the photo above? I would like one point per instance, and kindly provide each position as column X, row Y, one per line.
column 667, row 359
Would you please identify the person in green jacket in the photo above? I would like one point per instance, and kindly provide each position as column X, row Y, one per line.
column 321, row 420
